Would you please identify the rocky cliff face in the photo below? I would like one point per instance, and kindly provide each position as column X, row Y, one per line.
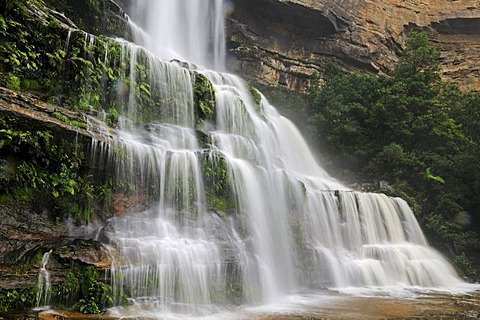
column 26, row 227
column 42, row 144
column 283, row 42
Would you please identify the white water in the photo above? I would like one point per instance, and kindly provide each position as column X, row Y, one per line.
column 289, row 225
column 187, row 30
column 43, row 284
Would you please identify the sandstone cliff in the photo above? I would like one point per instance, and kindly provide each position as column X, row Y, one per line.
column 283, row 42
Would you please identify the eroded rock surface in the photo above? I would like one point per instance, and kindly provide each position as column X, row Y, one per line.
column 283, row 42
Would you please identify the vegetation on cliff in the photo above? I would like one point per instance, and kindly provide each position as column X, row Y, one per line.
column 83, row 290
column 43, row 52
column 411, row 133
column 37, row 166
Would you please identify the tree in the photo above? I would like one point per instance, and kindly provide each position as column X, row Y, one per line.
column 419, row 61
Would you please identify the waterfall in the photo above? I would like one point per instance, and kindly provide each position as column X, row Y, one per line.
column 187, row 30
column 233, row 207
column 43, row 284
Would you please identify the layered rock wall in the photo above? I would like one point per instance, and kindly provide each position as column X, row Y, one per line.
column 283, row 42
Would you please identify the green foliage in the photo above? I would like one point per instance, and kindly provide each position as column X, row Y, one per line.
column 112, row 116
column 17, row 299
column 79, row 124
column 3, row 26
column 77, row 76
column 61, row 117
column 36, row 164
column 403, row 129
column 430, row 176
column 451, row 231
column 216, row 202
column 83, row 291
column 339, row 113
column 85, row 73
column 216, row 183
column 466, row 265
column 19, row 56
column 13, row 82
column 419, row 61
column 257, row 97
column 204, row 97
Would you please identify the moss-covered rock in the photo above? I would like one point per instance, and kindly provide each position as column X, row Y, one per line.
column 204, row 97
column 44, row 52
column 98, row 17
column 219, row 195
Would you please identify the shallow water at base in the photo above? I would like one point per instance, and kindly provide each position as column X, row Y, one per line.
column 347, row 303
column 354, row 304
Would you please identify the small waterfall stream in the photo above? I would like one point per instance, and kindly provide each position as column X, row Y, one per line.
column 44, row 283
column 286, row 225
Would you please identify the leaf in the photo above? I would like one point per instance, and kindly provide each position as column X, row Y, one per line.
column 145, row 88
column 70, row 190
column 430, row 176
column 3, row 26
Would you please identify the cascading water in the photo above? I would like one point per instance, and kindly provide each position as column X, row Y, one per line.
column 44, row 284
column 241, row 210
column 187, row 30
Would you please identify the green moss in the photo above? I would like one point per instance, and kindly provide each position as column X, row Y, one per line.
column 217, row 187
column 235, row 293
column 61, row 117
column 79, row 124
column 257, row 97
column 216, row 202
column 204, row 97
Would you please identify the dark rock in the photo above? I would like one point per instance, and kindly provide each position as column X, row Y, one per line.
column 95, row 17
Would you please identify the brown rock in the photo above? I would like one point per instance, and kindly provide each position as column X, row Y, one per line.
column 283, row 42
column 124, row 203
column 89, row 252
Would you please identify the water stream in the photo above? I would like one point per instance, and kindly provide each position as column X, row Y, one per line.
column 44, row 283
column 284, row 225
